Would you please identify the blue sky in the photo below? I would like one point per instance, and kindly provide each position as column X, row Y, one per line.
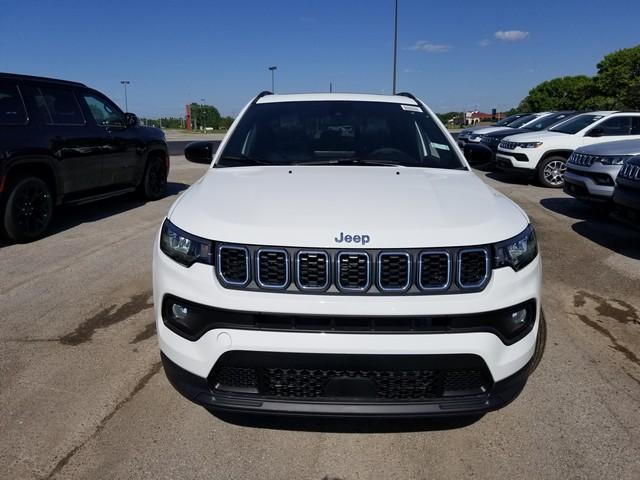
column 453, row 54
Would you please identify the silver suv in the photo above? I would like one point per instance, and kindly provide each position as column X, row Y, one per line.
column 592, row 170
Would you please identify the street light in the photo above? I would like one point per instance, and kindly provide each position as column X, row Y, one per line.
column 273, row 69
column 202, row 115
column 125, row 83
column 395, row 46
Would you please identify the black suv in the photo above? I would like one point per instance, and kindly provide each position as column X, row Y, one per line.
column 62, row 142
column 626, row 194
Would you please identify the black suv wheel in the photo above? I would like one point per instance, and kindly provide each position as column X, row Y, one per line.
column 154, row 183
column 28, row 209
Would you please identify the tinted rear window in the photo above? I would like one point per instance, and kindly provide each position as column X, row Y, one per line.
column 58, row 106
column 288, row 133
column 12, row 110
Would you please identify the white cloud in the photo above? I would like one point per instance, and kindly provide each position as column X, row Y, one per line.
column 484, row 43
column 511, row 35
column 424, row 46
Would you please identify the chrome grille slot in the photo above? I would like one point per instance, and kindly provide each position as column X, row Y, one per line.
column 473, row 267
column 312, row 268
column 272, row 268
column 233, row 265
column 434, row 270
column 394, row 271
column 353, row 271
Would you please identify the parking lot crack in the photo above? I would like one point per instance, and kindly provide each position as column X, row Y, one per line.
column 155, row 368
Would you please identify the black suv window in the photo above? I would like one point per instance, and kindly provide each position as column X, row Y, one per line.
column 313, row 132
column 12, row 110
column 58, row 106
column 635, row 126
column 103, row 111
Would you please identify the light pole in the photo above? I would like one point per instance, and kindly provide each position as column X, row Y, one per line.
column 202, row 113
column 395, row 46
column 125, row 83
column 273, row 87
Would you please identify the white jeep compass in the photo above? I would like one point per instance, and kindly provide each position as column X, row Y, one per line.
column 340, row 258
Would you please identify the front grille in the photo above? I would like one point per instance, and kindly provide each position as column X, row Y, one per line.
column 508, row 145
column 272, row 269
column 582, row 159
column 394, row 271
column 630, row 172
column 313, row 270
column 359, row 272
column 302, row 376
column 233, row 264
column 434, row 270
column 353, row 271
column 473, row 267
column 491, row 141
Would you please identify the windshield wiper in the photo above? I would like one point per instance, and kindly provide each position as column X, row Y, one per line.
column 351, row 161
column 239, row 160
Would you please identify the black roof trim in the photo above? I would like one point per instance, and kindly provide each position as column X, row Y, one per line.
column 17, row 76
column 264, row 93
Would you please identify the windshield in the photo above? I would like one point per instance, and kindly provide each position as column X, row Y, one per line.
column 546, row 121
column 509, row 120
column 328, row 132
column 522, row 120
column 576, row 124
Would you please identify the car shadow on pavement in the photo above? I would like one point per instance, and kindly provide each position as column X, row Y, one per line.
column 69, row 216
column 347, row 425
column 596, row 225
column 503, row 177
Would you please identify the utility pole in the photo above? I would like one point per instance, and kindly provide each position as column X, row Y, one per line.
column 273, row 83
column 395, row 46
column 330, row 87
column 202, row 113
column 125, row 83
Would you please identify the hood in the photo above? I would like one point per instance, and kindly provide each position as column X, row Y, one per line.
column 536, row 136
column 310, row 206
column 485, row 130
column 505, row 132
column 621, row 147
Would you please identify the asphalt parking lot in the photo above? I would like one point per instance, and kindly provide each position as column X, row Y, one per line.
column 83, row 395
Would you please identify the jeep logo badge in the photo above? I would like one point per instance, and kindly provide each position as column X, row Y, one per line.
column 343, row 237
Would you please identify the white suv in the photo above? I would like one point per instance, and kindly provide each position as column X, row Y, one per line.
column 545, row 154
column 340, row 258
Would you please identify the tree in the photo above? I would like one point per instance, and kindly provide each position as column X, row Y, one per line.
column 205, row 116
column 618, row 78
column 563, row 93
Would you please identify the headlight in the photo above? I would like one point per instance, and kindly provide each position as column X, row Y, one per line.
column 184, row 248
column 612, row 160
column 529, row 144
column 475, row 138
column 517, row 252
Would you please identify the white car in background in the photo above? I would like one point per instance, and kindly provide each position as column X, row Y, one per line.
column 477, row 135
column 544, row 155
column 463, row 136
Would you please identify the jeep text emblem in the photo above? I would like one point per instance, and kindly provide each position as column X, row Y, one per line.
column 343, row 237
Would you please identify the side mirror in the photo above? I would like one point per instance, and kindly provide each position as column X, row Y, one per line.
column 199, row 152
column 596, row 132
column 131, row 120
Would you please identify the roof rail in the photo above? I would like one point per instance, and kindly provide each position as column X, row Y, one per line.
column 32, row 78
column 264, row 93
column 409, row 95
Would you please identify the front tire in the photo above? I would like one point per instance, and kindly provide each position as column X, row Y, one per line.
column 551, row 172
column 28, row 210
column 154, row 182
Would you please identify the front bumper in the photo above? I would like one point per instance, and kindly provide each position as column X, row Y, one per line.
column 189, row 363
column 580, row 182
column 514, row 163
column 197, row 390
column 628, row 198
